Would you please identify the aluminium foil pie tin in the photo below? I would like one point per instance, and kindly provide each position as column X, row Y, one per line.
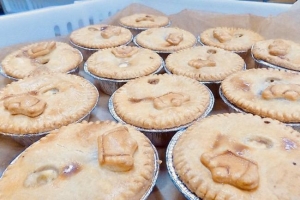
column 264, row 64
column 171, row 170
column 154, row 178
column 108, row 85
column 161, row 137
column 28, row 139
column 87, row 52
column 235, row 109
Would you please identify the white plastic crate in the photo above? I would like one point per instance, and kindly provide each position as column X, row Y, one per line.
column 49, row 22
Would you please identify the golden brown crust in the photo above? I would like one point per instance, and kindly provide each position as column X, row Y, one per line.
column 143, row 20
column 55, row 165
column 279, row 52
column 265, row 92
column 117, row 64
column 168, row 39
column 49, row 56
column 204, row 63
column 101, row 36
column 236, row 153
column 68, row 98
column 229, row 38
column 161, row 101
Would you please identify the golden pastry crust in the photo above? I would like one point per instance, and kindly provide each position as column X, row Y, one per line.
column 144, row 21
column 42, row 103
column 124, row 62
column 236, row 153
column 265, row 92
column 64, row 165
column 47, row 56
column 168, row 39
column 229, row 38
column 204, row 63
column 101, row 36
column 161, row 101
column 279, row 52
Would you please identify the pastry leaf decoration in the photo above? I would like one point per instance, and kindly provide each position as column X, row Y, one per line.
column 116, row 149
column 222, row 35
column 24, row 104
column 174, row 38
column 287, row 91
column 124, row 51
column 41, row 49
column 145, row 18
column 279, row 48
column 230, row 168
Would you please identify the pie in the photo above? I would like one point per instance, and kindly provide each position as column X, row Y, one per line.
column 96, row 160
column 204, row 63
column 48, row 56
column 165, row 39
column 144, row 21
column 123, row 62
column 100, row 36
column 239, row 156
column 280, row 52
column 230, row 38
column 42, row 103
column 161, row 101
column 265, row 92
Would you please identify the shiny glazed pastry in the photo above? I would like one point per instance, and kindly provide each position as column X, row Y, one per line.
column 165, row 39
column 42, row 103
column 123, row 62
column 239, row 156
column 161, row 101
column 230, row 38
column 144, row 21
column 265, row 92
column 204, row 63
column 100, row 36
column 96, row 160
column 42, row 56
column 279, row 52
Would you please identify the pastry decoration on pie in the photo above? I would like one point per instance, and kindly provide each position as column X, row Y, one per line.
column 161, row 101
column 279, row 52
column 95, row 160
column 164, row 39
column 42, row 103
column 204, row 63
column 144, row 21
column 39, row 57
column 265, row 92
column 230, row 38
column 100, row 36
column 230, row 156
column 123, row 62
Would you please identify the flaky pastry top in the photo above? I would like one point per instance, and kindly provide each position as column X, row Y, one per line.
column 96, row 160
column 100, row 36
column 48, row 56
column 237, row 153
column 168, row 39
column 279, row 52
column 230, row 38
column 265, row 92
column 123, row 62
column 161, row 101
column 143, row 20
column 42, row 103
column 204, row 63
